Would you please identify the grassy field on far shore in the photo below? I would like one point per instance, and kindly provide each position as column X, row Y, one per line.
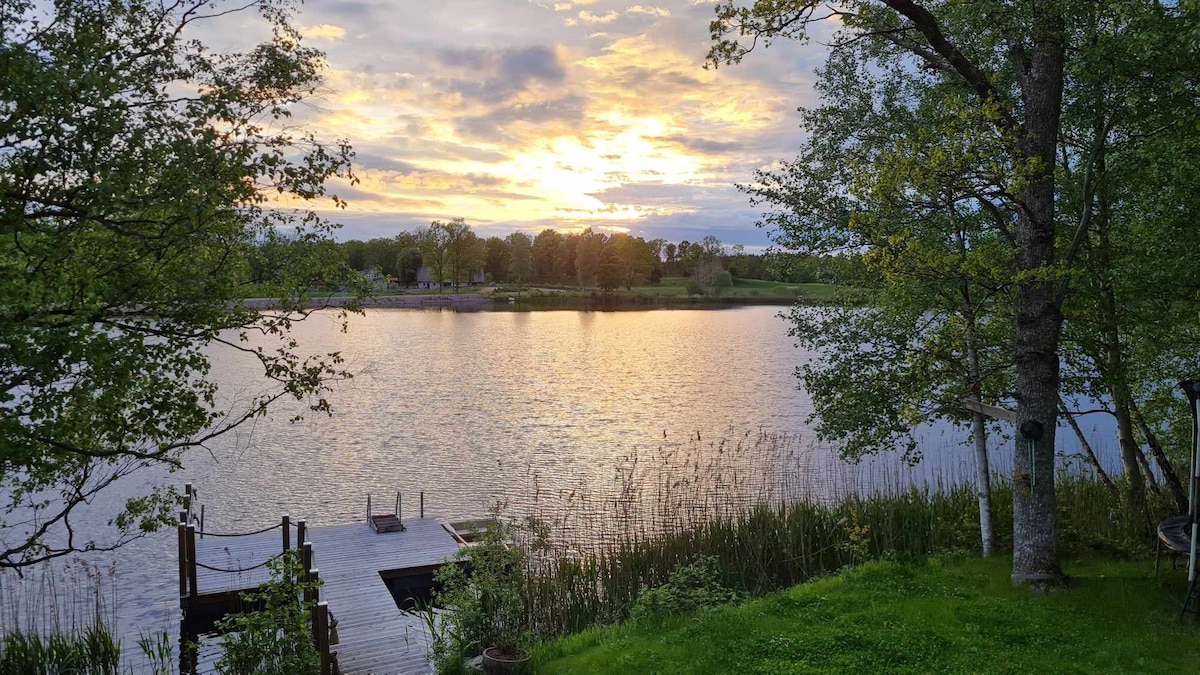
column 744, row 289
column 951, row 615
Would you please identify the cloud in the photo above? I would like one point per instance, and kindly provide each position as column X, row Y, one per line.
column 323, row 32
column 649, row 11
column 515, row 120
column 588, row 18
column 493, row 76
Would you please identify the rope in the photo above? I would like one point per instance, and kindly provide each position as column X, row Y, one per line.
column 241, row 534
column 234, row 570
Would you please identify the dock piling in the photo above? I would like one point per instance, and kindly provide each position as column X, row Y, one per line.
column 422, row 503
column 181, row 529
column 323, row 637
column 193, row 579
column 311, row 600
column 301, row 532
column 306, row 559
column 287, row 533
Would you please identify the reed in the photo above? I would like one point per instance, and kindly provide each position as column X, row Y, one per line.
column 771, row 515
column 60, row 622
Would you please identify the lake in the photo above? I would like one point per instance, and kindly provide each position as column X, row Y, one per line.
column 551, row 410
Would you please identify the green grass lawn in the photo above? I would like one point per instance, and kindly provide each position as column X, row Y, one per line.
column 948, row 616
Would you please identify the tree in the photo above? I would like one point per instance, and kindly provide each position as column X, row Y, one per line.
column 408, row 258
column 1136, row 194
column 497, row 258
column 546, row 246
column 380, row 253
column 137, row 171
column 587, row 257
column 465, row 251
column 610, row 271
column 1023, row 111
column 635, row 257
column 520, row 265
column 435, row 250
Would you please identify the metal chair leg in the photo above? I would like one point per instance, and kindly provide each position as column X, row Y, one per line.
column 1187, row 601
column 1157, row 551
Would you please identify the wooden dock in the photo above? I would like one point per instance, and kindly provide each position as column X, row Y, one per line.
column 355, row 564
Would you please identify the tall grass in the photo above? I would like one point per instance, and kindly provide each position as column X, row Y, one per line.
column 60, row 623
column 771, row 516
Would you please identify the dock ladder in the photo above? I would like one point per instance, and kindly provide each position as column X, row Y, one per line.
column 387, row 522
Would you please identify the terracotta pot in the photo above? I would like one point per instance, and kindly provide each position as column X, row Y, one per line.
column 496, row 663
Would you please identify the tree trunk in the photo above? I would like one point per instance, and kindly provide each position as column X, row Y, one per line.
column 1147, row 472
column 983, row 486
column 983, row 479
column 1160, row 458
column 1135, row 481
column 1113, row 359
column 1038, row 316
column 1087, row 448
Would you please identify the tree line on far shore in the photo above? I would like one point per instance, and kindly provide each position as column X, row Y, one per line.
column 452, row 252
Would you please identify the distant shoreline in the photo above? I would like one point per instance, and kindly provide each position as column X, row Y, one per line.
column 475, row 303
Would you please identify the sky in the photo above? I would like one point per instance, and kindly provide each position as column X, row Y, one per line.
column 526, row 114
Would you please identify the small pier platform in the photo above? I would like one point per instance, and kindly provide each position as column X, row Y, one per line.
column 361, row 628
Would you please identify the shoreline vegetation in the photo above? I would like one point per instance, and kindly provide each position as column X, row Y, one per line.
column 671, row 548
column 950, row 614
column 672, row 293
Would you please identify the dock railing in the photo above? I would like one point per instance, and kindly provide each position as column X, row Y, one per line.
column 321, row 622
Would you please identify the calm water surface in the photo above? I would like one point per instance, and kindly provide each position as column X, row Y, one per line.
column 468, row 407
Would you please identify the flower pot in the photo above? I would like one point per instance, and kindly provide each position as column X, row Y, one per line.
column 497, row 663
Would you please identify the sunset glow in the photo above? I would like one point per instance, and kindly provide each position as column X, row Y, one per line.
column 522, row 115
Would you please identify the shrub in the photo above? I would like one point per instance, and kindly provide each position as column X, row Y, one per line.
column 485, row 606
column 690, row 588
column 275, row 639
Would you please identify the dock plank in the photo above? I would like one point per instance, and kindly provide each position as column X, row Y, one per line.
column 375, row 635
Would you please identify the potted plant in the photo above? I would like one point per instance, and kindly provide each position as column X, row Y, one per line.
column 484, row 609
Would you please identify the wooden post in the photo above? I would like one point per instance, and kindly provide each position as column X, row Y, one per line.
column 399, row 512
column 201, row 521
column 368, row 507
column 187, row 500
column 422, row 503
column 183, row 557
column 193, row 582
column 323, row 637
column 311, row 600
column 287, row 533
column 306, row 559
column 301, row 532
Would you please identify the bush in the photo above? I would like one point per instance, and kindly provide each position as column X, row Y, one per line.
column 721, row 282
column 276, row 639
column 693, row 287
column 690, row 588
column 485, row 607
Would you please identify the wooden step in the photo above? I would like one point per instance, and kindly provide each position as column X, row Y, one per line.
column 386, row 523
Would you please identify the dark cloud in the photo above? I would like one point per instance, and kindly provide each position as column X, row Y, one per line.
column 493, row 126
column 704, row 145
column 534, row 63
column 494, row 75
